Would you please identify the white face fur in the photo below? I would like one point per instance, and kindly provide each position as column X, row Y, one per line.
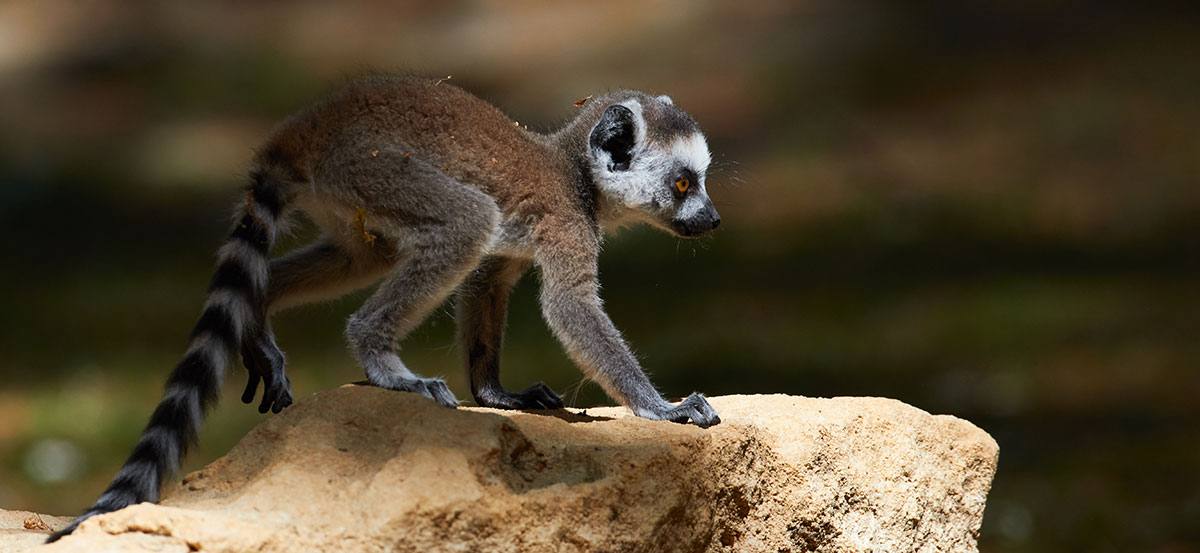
column 647, row 190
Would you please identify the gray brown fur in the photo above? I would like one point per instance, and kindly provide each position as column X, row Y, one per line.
column 427, row 189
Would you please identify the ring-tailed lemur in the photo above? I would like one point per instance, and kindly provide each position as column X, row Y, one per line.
column 429, row 189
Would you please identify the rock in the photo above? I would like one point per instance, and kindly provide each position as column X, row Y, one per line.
column 364, row 469
column 20, row 530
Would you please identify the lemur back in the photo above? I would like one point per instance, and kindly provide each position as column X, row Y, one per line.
column 429, row 190
column 468, row 139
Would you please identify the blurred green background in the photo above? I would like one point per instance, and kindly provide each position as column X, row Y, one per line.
column 985, row 209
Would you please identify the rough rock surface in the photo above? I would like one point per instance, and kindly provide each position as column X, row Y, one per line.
column 364, row 469
column 20, row 530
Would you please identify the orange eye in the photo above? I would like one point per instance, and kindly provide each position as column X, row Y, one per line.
column 682, row 185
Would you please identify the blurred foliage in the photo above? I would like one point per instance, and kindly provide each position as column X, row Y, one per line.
column 983, row 209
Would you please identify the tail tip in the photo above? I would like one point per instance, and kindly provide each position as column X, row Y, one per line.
column 68, row 529
column 58, row 534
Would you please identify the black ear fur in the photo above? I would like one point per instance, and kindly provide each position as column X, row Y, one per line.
column 615, row 135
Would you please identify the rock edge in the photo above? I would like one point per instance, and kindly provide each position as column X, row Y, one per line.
column 365, row 469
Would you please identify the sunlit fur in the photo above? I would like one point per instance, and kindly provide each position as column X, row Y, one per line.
column 642, row 193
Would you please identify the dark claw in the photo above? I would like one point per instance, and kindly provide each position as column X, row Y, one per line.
column 284, row 397
column 267, row 397
column 251, row 382
column 276, row 396
column 537, row 396
column 267, row 401
column 540, row 396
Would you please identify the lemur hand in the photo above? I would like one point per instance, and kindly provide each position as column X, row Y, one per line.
column 694, row 408
column 264, row 361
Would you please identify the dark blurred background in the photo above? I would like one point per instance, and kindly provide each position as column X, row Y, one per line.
column 985, row 209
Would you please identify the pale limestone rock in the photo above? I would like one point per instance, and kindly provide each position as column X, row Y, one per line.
column 20, row 530
column 364, row 469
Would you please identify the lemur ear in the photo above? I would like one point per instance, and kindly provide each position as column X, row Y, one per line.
column 615, row 134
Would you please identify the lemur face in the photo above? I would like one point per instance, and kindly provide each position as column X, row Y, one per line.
column 650, row 157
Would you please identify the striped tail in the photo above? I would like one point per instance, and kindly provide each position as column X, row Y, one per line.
column 235, row 308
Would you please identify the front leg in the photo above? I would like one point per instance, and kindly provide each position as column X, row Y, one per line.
column 482, row 306
column 572, row 307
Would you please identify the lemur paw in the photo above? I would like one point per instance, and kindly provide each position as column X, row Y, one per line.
column 538, row 396
column 432, row 388
column 265, row 362
column 694, row 408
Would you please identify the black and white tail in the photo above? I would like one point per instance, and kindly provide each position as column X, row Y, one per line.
column 234, row 308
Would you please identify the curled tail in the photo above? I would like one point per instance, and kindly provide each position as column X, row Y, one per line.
column 234, row 309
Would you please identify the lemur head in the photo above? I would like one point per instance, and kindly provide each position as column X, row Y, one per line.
column 649, row 158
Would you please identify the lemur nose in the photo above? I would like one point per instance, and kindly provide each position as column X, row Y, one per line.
column 713, row 217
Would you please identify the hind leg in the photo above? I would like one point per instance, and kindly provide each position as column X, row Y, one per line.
column 482, row 306
column 443, row 227
column 437, row 262
column 319, row 271
column 326, row 269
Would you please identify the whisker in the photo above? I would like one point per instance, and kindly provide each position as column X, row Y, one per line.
column 573, row 391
